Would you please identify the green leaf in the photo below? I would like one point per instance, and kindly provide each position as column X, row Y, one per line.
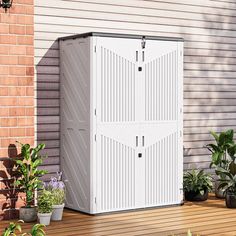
column 232, row 168
column 215, row 136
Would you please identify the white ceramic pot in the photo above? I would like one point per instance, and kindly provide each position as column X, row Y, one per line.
column 44, row 218
column 57, row 212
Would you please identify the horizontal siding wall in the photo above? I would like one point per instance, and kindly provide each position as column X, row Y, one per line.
column 208, row 28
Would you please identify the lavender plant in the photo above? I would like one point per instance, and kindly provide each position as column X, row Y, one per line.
column 57, row 188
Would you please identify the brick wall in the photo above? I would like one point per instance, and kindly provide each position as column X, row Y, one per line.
column 16, row 94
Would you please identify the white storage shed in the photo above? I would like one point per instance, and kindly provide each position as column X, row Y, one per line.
column 121, row 121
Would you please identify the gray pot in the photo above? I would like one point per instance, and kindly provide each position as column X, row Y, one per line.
column 44, row 218
column 218, row 192
column 57, row 212
column 28, row 214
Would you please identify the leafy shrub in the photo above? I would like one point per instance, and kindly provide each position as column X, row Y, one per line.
column 27, row 167
column 197, row 181
column 37, row 230
column 45, row 202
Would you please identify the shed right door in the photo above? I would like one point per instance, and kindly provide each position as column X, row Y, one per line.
column 161, row 125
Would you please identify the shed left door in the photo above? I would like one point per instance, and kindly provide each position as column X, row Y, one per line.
column 117, row 85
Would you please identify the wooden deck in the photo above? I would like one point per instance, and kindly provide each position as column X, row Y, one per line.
column 206, row 218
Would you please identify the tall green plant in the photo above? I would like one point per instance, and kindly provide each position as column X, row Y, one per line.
column 219, row 149
column 27, row 167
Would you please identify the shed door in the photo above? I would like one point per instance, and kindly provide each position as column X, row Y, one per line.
column 139, row 101
column 118, row 93
column 162, row 122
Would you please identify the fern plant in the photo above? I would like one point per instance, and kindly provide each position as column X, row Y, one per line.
column 27, row 167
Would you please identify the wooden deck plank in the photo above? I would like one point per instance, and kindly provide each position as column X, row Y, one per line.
column 206, row 218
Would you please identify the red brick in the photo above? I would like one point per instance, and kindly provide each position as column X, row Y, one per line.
column 29, row 30
column 29, row 50
column 30, row 91
column 26, row 101
column 8, row 39
column 3, row 91
column 8, row 18
column 26, row 81
column 4, row 70
column 16, row 91
column 4, row 29
column 8, row 80
column 18, row 9
column 17, row 70
column 4, row 49
column 8, row 122
column 8, row 60
column 24, row 19
column 17, row 50
column 8, row 101
column 17, row 132
column 17, row 111
column 23, row 60
column 17, row 29
column 4, row 132
column 29, row 140
column 25, row 121
column 30, row 71
column 25, row 40
column 26, row 2
column 29, row 111
column 29, row 131
column 4, row 111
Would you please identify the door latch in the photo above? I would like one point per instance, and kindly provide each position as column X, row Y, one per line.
column 140, row 155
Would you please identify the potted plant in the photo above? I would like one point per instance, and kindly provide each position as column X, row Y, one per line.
column 228, row 185
column 57, row 188
column 219, row 153
column 196, row 185
column 29, row 181
column 45, row 207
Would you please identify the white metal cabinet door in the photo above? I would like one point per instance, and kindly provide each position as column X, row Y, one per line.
column 162, row 122
column 118, row 89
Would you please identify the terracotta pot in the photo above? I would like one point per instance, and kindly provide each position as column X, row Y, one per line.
column 196, row 196
column 28, row 214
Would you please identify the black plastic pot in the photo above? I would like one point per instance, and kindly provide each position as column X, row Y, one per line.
column 230, row 200
column 196, row 196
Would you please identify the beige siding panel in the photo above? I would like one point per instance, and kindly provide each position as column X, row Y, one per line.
column 209, row 30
